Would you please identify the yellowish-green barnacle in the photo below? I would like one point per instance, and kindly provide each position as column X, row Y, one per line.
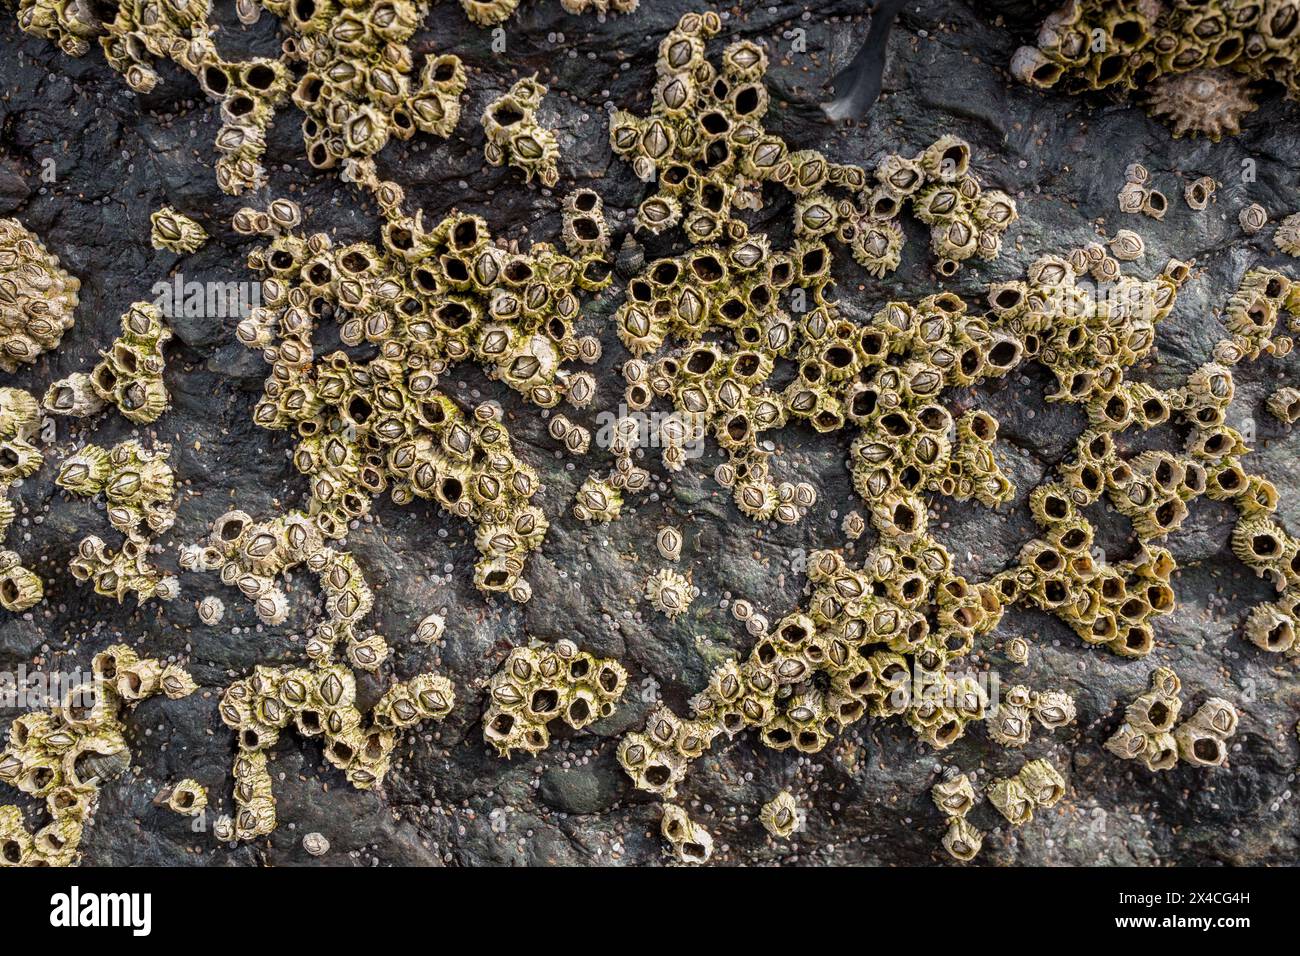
column 541, row 683
column 1042, row 782
column 37, row 297
column 489, row 12
column 669, row 593
column 597, row 501
column 63, row 755
column 954, row 797
column 175, row 231
column 515, row 137
column 130, row 374
column 780, row 815
column 188, row 798
column 689, row 841
column 1012, row 799
column 962, row 840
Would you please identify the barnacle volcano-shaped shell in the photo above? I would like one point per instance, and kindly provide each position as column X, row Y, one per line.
column 1211, row 103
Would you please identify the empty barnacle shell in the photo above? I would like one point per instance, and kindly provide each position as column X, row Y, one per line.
column 188, row 798
column 1199, row 192
column 689, row 841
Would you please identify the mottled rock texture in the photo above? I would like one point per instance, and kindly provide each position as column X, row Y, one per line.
column 115, row 157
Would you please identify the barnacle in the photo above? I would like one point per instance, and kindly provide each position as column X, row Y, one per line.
column 1287, row 236
column 690, row 842
column 129, row 374
column 669, row 542
column 780, row 815
column 176, row 231
column 211, row 610
column 1011, row 799
column 669, row 592
column 1252, row 218
column 515, row 137
column 188, row 798
column 139, row 491
column 1284, row 404
column 541, row 683
column 962, row 840
column 1211, row 103
column 1199, row 192
column 954, row 797
column 63, row 755
column 37, row 297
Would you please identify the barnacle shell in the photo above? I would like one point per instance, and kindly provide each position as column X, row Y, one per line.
column 689, row 841
column 1287, row 236
column 188, row 798
column 669, row 592
column 669, row 542
column 1252, row 218
column 1202, row 102
column 175, row 231
column 962, row 841
column 780, row 815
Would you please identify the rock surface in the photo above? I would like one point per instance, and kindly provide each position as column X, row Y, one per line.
column 110, row 157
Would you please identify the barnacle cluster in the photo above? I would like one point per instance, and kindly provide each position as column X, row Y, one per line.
column 491, row 12
column 20, row 420
column 61, row 756
column 1149, row 734
column 705, row 143
column 425, row 298
column 175, row 231
column 1037, row 785
column 356, row 85
column 1194, row 61
column 955, row 797
column 353, row 80
column 140, row 492
column 318, row 701
column 1137, row 195
column 515, row 137
column 141, row 33
column 690, row 842
column 541, row 683
column 251, row 555
column 1011, row 723
column 862, row 645
column 129, row 374
column 37, row 297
